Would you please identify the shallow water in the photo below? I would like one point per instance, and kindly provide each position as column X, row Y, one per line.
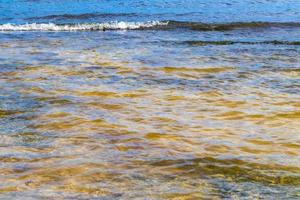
column 199, row 108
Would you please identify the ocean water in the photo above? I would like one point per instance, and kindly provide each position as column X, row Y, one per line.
column 181, row 99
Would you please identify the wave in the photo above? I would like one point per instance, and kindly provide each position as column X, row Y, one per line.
column 161, row 25
column 82, row 27
column 231, row 26
column 83, row 16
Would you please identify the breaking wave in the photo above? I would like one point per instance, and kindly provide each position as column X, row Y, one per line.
column 82, row 27
column 160, row 25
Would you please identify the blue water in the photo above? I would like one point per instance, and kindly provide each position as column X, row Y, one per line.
column 133, row 10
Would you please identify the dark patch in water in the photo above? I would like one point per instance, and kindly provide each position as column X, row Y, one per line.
column 228, row 42
column 234, row 169
column 231, row 26
column 82, row 16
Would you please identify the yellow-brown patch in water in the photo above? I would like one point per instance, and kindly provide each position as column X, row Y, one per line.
column 102, row 94
column 197, row 70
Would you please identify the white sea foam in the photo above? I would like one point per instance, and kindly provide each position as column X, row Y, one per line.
column 81, row 27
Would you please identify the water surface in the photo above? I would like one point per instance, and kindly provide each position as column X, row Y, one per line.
column 175, row 100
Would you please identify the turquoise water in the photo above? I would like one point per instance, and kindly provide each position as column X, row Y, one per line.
column 149, row 99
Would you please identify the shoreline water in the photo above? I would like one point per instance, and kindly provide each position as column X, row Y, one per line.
column 206, row 106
